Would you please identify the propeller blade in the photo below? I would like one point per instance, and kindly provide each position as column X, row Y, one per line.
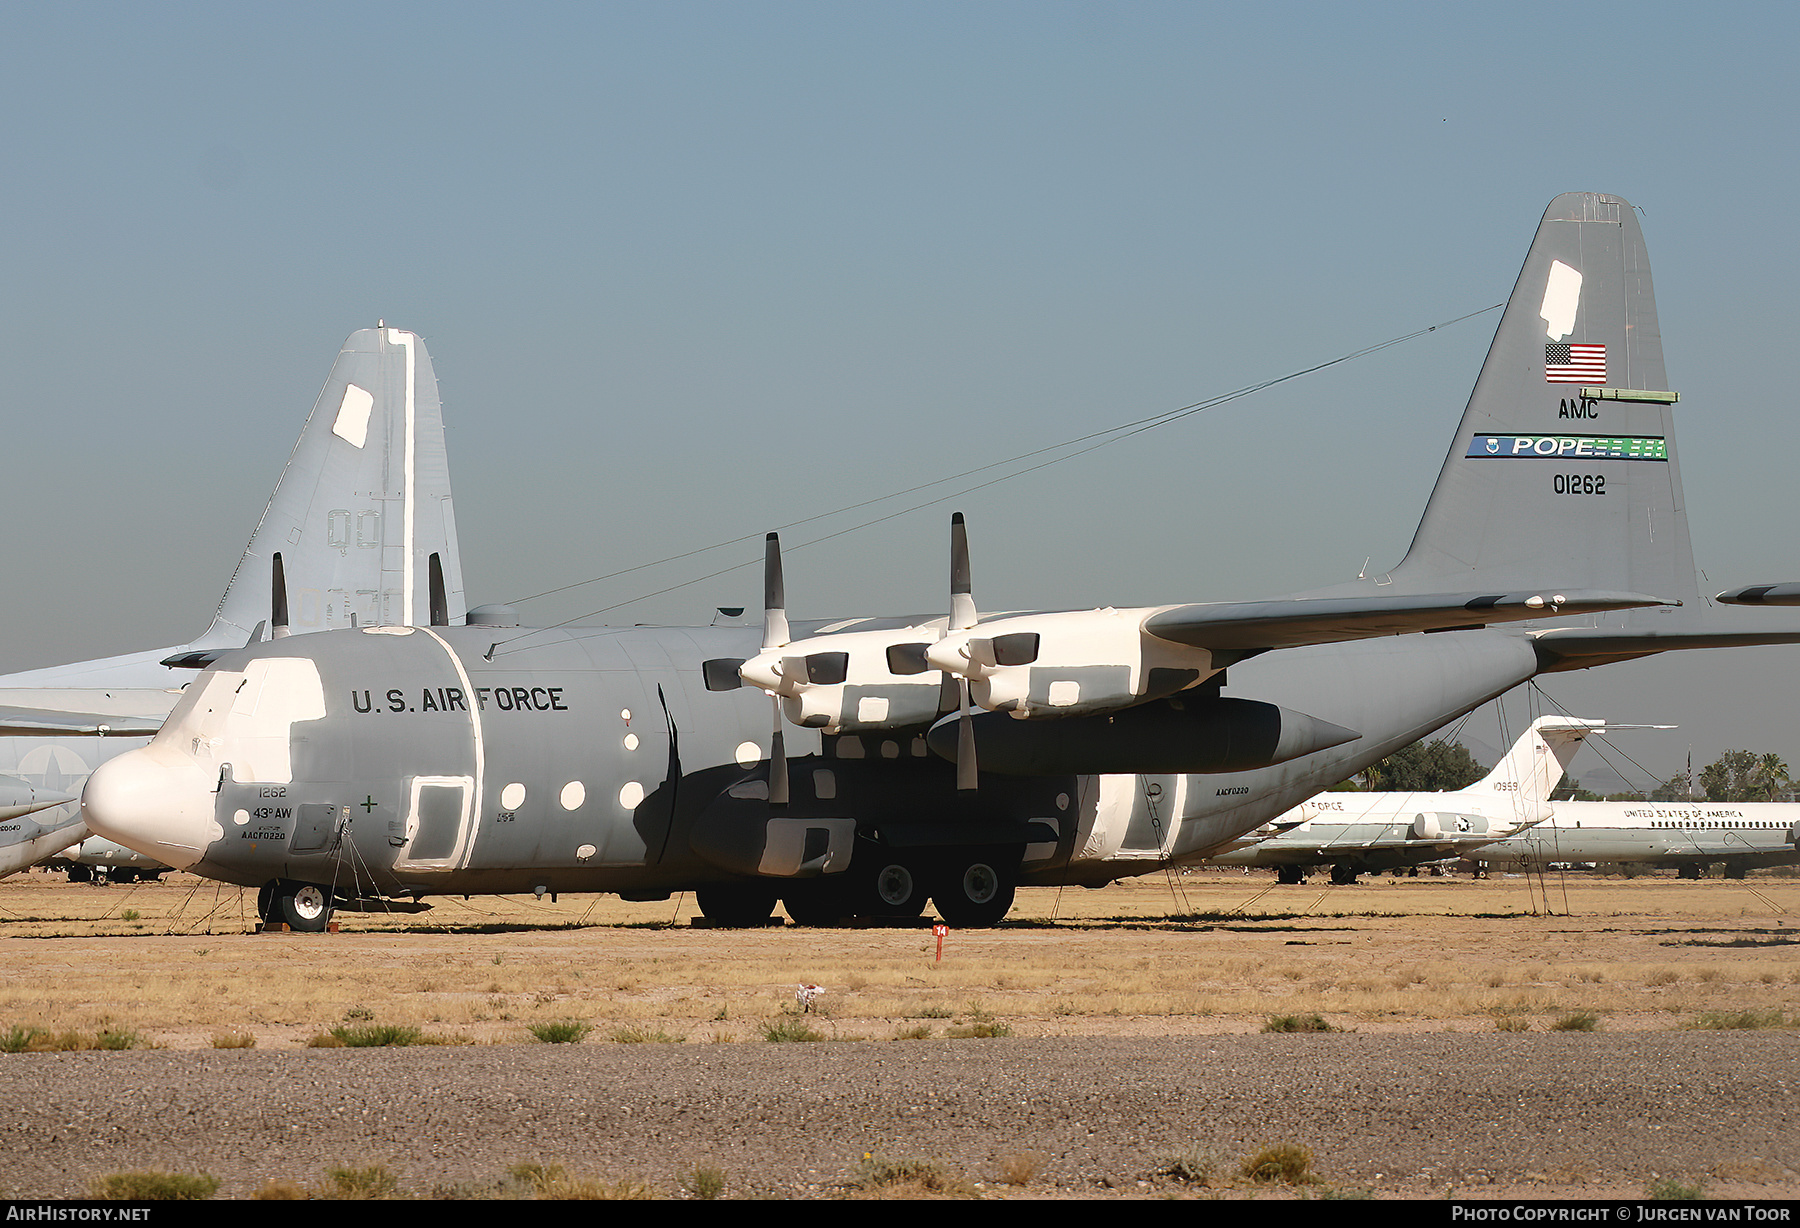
column 775, row 623
column 962, row 599
column 966, row 770
column 778, row 765
column 278, row 607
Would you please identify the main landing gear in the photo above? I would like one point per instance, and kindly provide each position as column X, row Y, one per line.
column 971, row 887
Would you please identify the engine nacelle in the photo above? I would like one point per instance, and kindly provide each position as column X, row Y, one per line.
column 1167, row 736
column 1448, row 826
column 851, row 682
column 1076, row 663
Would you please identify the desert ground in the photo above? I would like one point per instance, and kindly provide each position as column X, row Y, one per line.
column 1570, row 1036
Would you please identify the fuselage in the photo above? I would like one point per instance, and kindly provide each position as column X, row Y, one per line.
column 418, row 761
column 1384, row 830
column 1657, row 833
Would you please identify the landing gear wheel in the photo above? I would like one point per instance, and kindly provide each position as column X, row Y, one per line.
column 736, row 905
column 1343, row 875
column 305, row 907
column 79, row 873
column 1290, row 875
column 975, row 891
column 1687, row 869
column 896, row 891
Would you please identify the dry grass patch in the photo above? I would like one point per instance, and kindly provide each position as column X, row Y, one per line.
column 1576, row 1021
column 1195, row 1166
column 1283, row 1163
column 1297, row 1023
column 1744, row 1020
column 877, row 1177
column 646, row 1036
column 375, row 1181
column 20, row 1039
column 1020, row 1168
column 551, row 1181
column 149, row 1185
column 279, row 1189
column 560, row 1031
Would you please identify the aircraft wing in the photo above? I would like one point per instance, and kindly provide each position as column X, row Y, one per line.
column 50, row 723
column 1290, row 623
column 65, row 712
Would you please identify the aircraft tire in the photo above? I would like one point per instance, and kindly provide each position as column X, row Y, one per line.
column 79, row 873
column 736, row 905
column 304, row 907
column 1343, row 874
column 896, row 889
column 1291, row 875
column 975, row 890
column 1735, row 870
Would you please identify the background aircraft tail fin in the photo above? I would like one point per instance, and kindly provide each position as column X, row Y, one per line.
column 1537, row 761
column 1563, row 470
column 361, row 507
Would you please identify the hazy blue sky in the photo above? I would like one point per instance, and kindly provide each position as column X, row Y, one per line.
column 690, row 271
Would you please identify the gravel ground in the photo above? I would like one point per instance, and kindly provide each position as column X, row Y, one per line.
column 1472, row 1115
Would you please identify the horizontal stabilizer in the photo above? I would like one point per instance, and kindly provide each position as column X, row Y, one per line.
column 199, row 658
column 19, row 798
column 1762, row 594
column 1254, row 625
column 1580, row 647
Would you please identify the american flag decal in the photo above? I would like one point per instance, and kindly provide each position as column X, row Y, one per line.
column 1567, row 362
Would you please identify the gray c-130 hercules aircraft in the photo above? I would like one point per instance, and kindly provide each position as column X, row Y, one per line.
column 955, row 757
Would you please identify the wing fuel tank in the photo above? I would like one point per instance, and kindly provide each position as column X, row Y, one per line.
column 1168, row 736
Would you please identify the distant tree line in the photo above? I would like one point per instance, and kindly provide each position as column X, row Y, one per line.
column 1440, row 766
column 1424, row 767
column 1736, row 776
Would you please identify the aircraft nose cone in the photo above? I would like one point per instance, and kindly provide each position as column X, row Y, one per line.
column 159, row 807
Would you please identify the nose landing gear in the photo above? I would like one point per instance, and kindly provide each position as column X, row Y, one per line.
column 304, row 907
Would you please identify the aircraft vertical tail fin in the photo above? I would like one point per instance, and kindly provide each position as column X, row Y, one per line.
column 1563, row 471
column 363, row 506
column 1537, row 761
